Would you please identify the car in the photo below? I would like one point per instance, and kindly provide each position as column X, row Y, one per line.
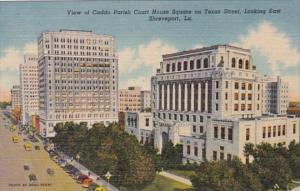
column 26, row 167
column 50, row 171
column 87, row 182
column 15, row 139
column 32, row 177
column 81, row 178
column 37, row 147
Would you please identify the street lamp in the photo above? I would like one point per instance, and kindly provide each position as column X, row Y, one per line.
column 78, row 157
column 107, row 176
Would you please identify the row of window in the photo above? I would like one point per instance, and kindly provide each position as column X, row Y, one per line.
column 240, row 64
column 195, row 151
column 181, row 117
column 222, row 133
column 280, row 131
column 191, row 66
column 81, row 41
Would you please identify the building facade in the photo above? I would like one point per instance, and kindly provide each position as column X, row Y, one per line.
column 15, row 97
column 145, row 99
column 29, row 88
column 140, row 124
column 194, row 91
column 275, row 93
column 130, row 99
column 78, row 79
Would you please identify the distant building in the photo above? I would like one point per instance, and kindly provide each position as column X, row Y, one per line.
column 294, row 109
column 145, row 99
column 15, row 97
column 275, row 93
column 29, row 88
column 78, row 79
column 140, row 125
column 130, row 99
column 213, row 101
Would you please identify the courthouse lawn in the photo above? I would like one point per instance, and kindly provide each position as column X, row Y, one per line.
column 183, row 173
column 162, row 183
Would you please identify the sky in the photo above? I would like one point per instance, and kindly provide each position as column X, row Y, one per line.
column 274, row 39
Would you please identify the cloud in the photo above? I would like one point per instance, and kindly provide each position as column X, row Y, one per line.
column 142, row 81
column 9, row 64
column 199, row 45
column 275, row 45
column 145, row 55
column 138, row 64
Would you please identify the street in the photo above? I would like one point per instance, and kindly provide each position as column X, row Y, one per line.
column 13, row 157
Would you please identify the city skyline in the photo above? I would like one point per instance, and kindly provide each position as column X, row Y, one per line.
column 140, row 51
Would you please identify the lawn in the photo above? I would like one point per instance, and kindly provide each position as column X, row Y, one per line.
column 162, row 183
column 182, row 173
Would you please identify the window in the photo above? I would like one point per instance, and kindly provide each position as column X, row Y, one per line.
column 203, row 153
column 198, row 63
column 283, row 130
column 247, row 159
column 216, row 132
column 221, row 156
column 217, row 107
column 194, row 128
column 233, row 62
column 226, row 84
column 217, row 95
column 249, row 107
column 236, row 85
column 194, row 118
column 147, row 122
column 236, row 107
column 243, row 96
column 247, row 134
column 222, row 132
column 187, row 118
column 215, row 155
column 179, row 66
column 249, row 96
column 274, row 131
column 249, row 86
column 236, row 96
column 279, row 130
column 181, row 117
column 228, row 156
column 240, row 63
column 243, row 106
column 192, row 65
column 243, row 86
column 230, row 134
column 269, row 131
column 247, row 64
column 173, row 67
column 196, row 151
column 226, row 96
column 168, row 68
column 201, row 129
column 217, row 84
column 185, row 65
column 188, row 149
column 205, row 63
column 264, row 132
column 294, row 128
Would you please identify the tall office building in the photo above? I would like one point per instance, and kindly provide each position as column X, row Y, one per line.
column 211, row 100
column 29, row 88
column 78, row 79
column 15, row 97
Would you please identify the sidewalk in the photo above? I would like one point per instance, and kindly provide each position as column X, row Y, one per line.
column 84, row 170
column 175, row 177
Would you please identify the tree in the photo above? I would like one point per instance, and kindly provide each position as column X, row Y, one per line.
column 104, row 149
column 294, row 159
column 172, row 155
column 270, row 164
column 225, row 176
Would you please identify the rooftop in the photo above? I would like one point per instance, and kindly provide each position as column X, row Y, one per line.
column 165, row 56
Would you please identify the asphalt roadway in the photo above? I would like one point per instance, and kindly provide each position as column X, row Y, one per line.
column 13, row 157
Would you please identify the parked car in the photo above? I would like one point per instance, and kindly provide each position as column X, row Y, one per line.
column 87, row 182
column 50, row 171
column 81, row 178
column 32, row 177
column 26, row 167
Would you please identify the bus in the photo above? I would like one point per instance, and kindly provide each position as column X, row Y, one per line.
column 28, row 146
column 15, row 139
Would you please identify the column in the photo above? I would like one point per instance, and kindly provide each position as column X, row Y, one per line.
column 173, row 101
column 199, row 97
column 192, row 97
column 179, row 97
column 157, row 98
column 168, row 96
column 162, row 97
column 206, row 96
column 185, row 97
